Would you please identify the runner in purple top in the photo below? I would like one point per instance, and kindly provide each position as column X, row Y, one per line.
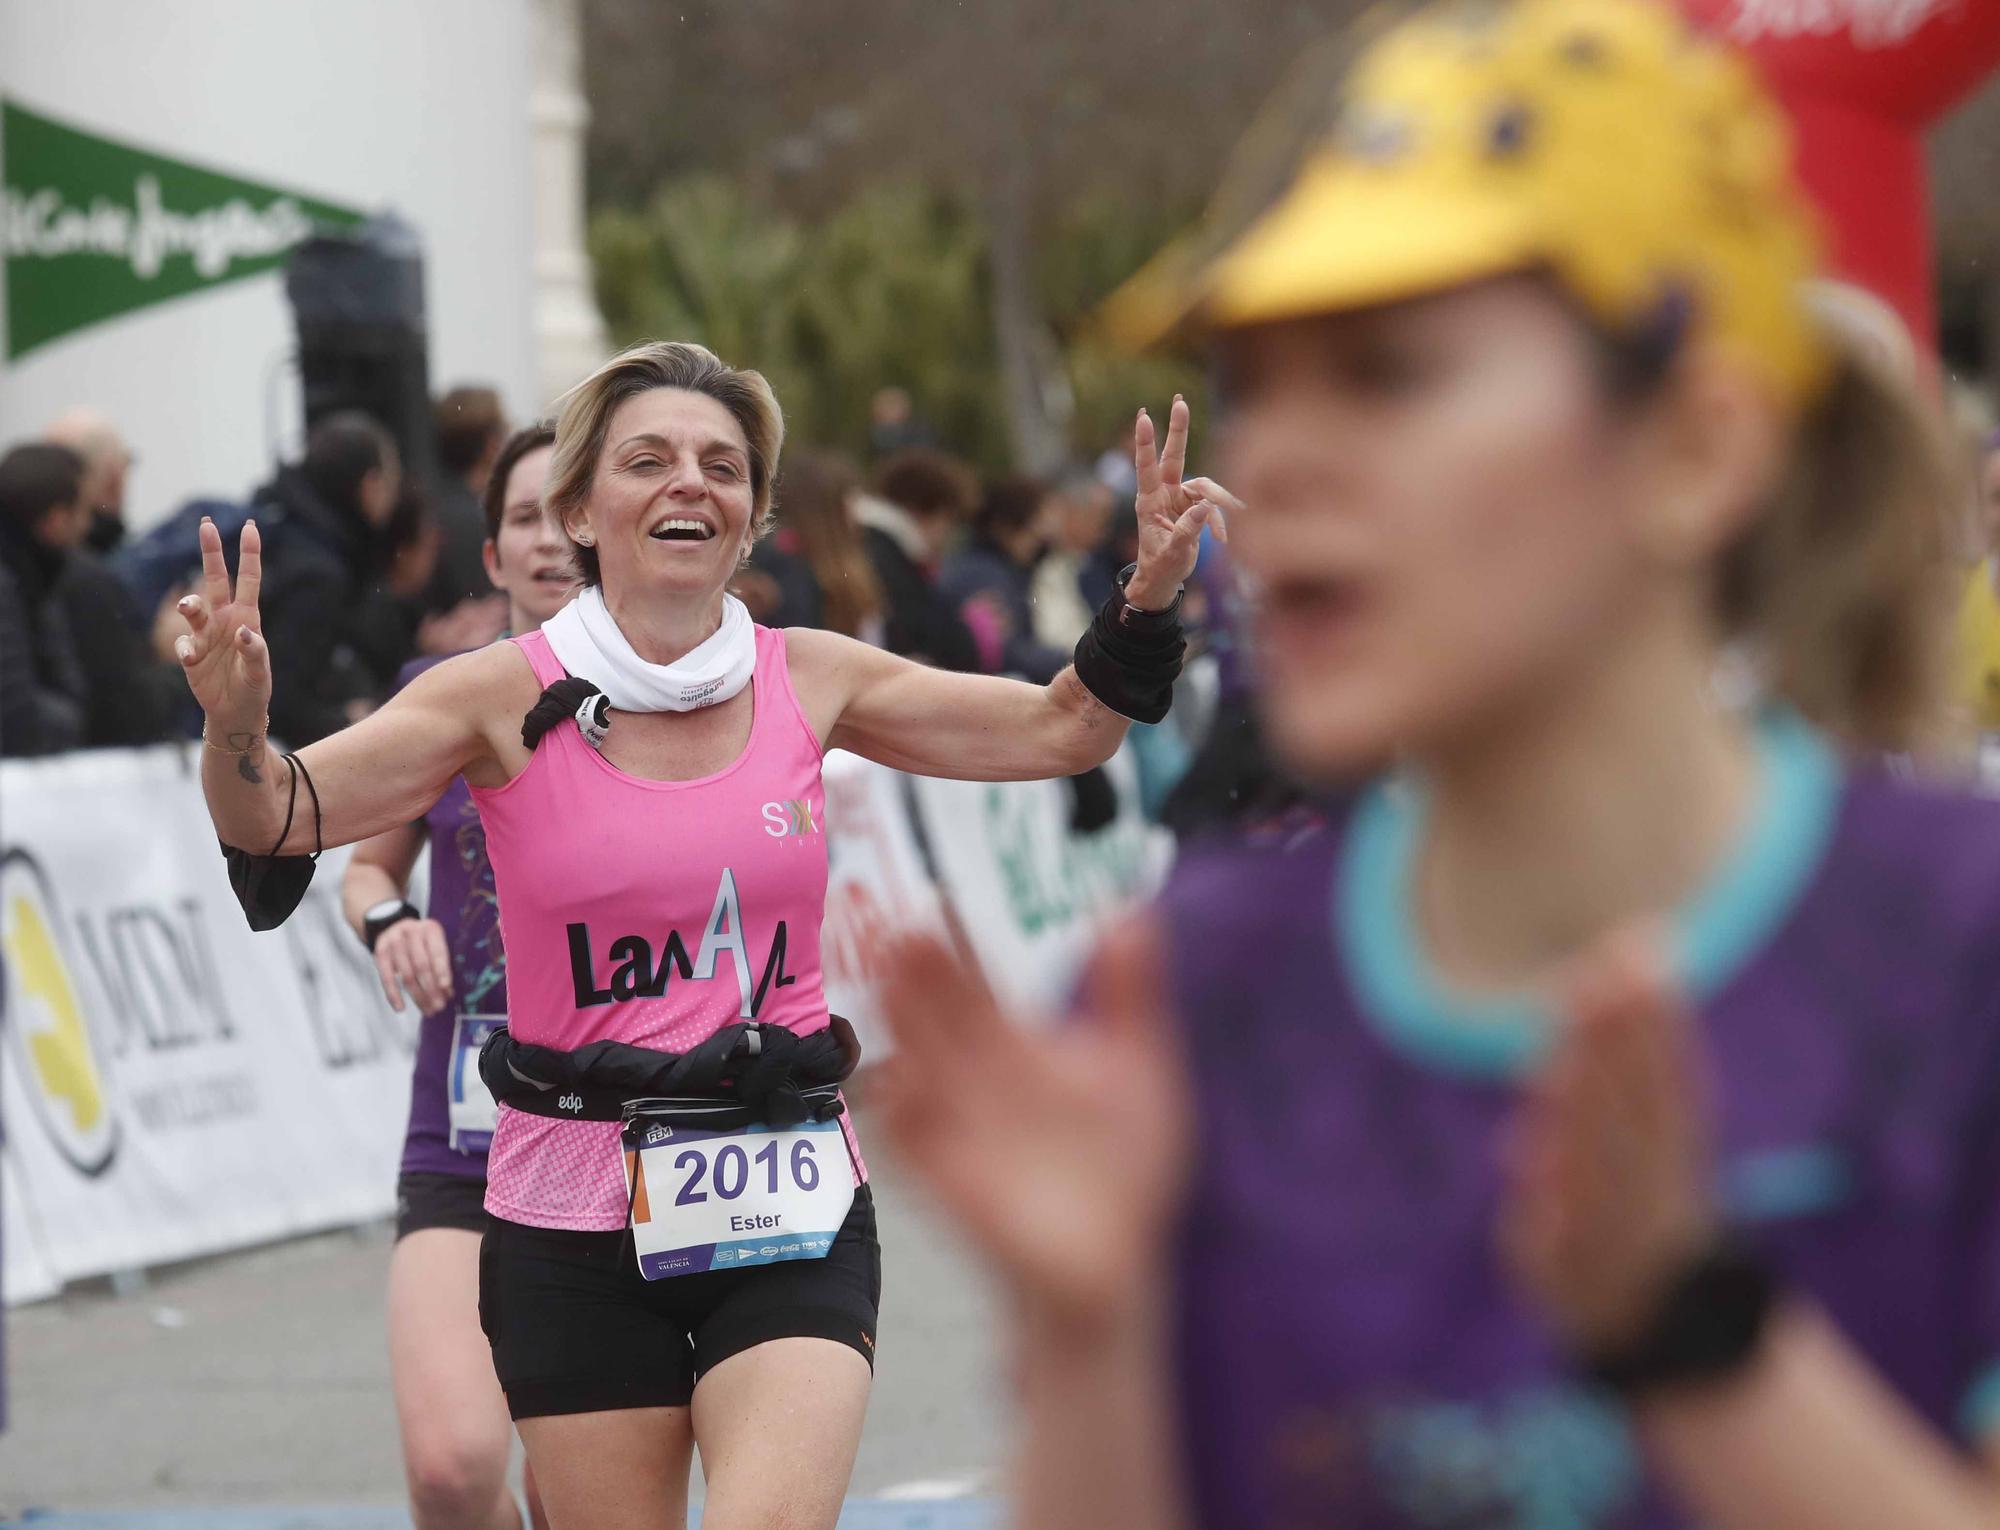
column 456, row 1435
column 1596, row 1123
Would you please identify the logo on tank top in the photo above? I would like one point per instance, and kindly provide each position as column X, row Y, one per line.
column 635, row 973
column 789, row 820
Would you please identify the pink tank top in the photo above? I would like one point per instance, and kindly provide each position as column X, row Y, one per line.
column 650, row 912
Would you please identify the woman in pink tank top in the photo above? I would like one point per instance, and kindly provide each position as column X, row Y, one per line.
column 656, row 827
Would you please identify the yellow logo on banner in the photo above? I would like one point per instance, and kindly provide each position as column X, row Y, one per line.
column 46, row 1016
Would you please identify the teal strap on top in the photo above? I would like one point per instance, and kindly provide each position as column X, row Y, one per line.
column 1716, row 932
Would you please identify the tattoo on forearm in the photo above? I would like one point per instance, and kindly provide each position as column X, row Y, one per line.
column 1090, row 710
column 246, row 766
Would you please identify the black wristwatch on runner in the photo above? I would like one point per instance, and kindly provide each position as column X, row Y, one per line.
column 382, row 915
column 1709, row 1325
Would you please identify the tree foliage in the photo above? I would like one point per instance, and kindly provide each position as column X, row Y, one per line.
column 939, row 192
column 891, row 288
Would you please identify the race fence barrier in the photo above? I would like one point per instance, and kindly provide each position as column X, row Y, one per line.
column 173, row 1085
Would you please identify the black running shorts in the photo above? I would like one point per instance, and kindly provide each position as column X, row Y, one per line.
column 576, row 1329
column 441, row 1200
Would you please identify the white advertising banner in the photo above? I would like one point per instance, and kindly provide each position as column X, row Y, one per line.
column 173, row 1084
column 877, row 884
column 24, row 1274
column 1030, row 894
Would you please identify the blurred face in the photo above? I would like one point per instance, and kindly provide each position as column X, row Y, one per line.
column 64, row 525
column 529, row 560
column 1438, row 517
column 1083, row 517
column 104, row 484
column 381, row 489
column 671, row 503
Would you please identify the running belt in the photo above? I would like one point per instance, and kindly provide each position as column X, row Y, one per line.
column 745, row 1073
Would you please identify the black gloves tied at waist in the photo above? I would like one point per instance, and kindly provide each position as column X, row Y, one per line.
column 774, row 1075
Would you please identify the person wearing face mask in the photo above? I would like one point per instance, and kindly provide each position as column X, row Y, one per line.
column 682, row 1253
column 1598, row 1123
column 43, row 695
column 134, row 689
column 448, row 961
column 107, row 465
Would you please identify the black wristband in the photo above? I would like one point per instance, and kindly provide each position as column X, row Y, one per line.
column 1709, row 1326
column 1129, row 659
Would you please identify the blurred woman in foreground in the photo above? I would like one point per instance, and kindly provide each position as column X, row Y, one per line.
column 1599, row 1125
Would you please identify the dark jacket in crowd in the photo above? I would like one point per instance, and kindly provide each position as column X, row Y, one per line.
column 980, row 571
column 130, row 696
column 318, row 563
column 42, row 692
column 800, row 602
column 918, row 621
column 461, row 561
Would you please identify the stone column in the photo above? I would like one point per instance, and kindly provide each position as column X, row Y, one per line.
column 569, row 331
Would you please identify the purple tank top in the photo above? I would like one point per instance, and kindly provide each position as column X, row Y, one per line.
column 462, row 899
column 1350, row 1350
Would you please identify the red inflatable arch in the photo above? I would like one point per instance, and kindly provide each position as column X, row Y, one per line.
column 1863, row 79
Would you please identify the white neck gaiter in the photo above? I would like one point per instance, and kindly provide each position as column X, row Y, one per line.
column 586, row 639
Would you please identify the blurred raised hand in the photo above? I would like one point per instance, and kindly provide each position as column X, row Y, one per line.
column 1613, row 1192
column 1059, row 1150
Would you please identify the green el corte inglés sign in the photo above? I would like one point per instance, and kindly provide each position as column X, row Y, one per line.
column 92, row 228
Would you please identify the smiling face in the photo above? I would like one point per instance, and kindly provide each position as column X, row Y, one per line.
column 1446, row 516
column 528, row 561
column 671, row 504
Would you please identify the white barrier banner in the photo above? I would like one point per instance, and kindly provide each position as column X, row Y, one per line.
column 24, row 1274
column 876, row 886
column 1031, row 895
column 173, row 1084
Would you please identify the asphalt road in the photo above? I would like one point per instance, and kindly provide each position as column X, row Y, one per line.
column 223, row 1392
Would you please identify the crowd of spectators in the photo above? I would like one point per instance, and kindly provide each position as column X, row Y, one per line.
column 366, row 567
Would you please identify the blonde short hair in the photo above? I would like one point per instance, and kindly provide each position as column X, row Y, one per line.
column 586, row 419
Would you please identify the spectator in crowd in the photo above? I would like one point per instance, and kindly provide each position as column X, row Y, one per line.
column 1075, row 575
column 893, row 423
column 988, row 577
column 777, row 584
column 326, row 540
column 921, row 500
column 107, row 461
column 470, row 429
column 817, row 529
column 132, row 685
column 43, row 517
column 395, row 620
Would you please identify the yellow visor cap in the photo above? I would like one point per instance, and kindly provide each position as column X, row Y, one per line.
column 1601, row 140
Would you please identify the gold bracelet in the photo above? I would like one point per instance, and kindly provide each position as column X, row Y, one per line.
column 256, row 742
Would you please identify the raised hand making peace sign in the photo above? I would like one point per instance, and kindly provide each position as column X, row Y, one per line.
column 223, row 654
column 1172, row 510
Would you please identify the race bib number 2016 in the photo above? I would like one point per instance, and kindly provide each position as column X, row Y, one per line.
column 708, row 1200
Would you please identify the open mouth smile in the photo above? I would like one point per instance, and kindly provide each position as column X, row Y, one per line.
column 682, row 528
